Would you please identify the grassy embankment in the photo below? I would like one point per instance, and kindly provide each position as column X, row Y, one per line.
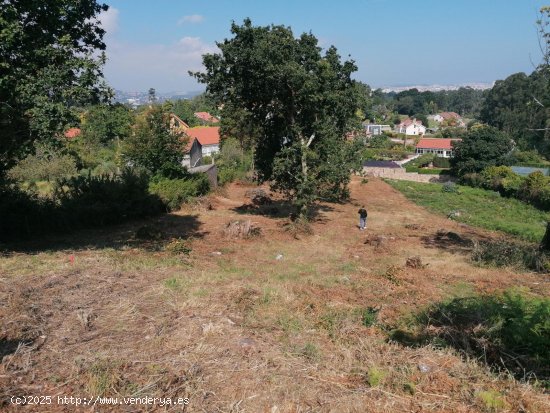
column 479, row 207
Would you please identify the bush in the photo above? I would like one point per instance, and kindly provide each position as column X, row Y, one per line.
column 503, row 253
column 103, row 200
column 79, row 202
column 510, row 328
column 440, row 162
column 450, row 187
column 534, row 189
column 47, row 164
column 473, row 179
column 174, row 192
column 493, row 176
column 233, row 162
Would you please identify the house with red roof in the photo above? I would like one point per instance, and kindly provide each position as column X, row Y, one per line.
column 440, row 147
column 411, row 127
column 72, row 133
column 206, row 118
column 208, row 137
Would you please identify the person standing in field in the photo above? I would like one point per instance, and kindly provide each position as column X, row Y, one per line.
column 362, row 217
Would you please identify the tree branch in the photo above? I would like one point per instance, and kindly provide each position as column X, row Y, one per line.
column 310, row 140
column 538, row 101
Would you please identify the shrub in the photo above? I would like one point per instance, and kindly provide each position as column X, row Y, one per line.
column 493, row 176
column 79, row 202
column 440, row 162
column 503, row 253
column 103, row 200
column 473, row 179
column 511, row 328
column 174, row 192
column 534, row 189
column 450, row 187
column 46, row 164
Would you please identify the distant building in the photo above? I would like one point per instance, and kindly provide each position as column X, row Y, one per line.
column 411, row 127
column 176, row 124
column 208, row 137
column 373, row 130
column 440, row 147
column 206, row 118
column 72, row 133
column 193, row 154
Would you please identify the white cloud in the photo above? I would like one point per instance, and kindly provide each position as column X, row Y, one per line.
column 192, row 18
column 109, row 20
column 162, row 66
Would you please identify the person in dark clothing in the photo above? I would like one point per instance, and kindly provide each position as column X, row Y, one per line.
column 362, row 217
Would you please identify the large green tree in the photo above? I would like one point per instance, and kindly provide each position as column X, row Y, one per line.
column 302, row 100
column 482, row 146
column 49, row 63
column 154, row 146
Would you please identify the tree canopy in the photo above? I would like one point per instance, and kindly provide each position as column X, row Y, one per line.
column 154, row 146
column 481, row 147
column 302, row 100
column 48, row 65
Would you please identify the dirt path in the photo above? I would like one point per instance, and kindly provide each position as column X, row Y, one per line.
column 271, row 324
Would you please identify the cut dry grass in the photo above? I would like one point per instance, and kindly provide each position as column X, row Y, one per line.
column 235, row 328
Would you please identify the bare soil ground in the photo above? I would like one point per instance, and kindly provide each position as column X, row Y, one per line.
column 263, row 324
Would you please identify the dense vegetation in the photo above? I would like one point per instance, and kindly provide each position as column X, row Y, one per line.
column 301, row 101
column 508, row 331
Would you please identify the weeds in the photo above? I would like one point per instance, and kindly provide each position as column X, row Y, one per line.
column 174, row 284
column 491, row 400
column 178, row 246
column 369, row 316
column 502, row 253
column 509, row 330
column 375, row 376
column 310, row 352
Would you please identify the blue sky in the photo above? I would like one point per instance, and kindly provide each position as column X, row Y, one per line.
column 394, row 42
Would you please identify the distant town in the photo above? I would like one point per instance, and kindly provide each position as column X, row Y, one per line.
column 142, row 97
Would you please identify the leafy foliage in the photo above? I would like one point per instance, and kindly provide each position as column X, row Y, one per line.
column 154, row 146
column 480, row 148
column 79, row 202
column 46, row 164
column 49, row 66
column 174, row 192
column 302, row 102
column 510, row 330
column 233, row 162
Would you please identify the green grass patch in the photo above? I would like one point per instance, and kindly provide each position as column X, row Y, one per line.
column 479, row 207
column 509, row 330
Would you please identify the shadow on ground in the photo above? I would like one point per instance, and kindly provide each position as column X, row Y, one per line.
column 448, row 241
column 148, row 234
column 282, row 209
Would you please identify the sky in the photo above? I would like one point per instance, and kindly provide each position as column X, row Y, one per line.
column 393, row 42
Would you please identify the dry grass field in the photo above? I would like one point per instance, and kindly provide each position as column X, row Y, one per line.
column 272, row 323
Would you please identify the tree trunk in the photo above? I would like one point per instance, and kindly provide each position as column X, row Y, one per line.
column 303, row 205
column 545, row 243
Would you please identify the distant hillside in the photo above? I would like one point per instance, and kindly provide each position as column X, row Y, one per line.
column 436, row 88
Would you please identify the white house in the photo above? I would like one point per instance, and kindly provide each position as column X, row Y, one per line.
column 208, row 137
column 440, row 147
column 411, row 127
